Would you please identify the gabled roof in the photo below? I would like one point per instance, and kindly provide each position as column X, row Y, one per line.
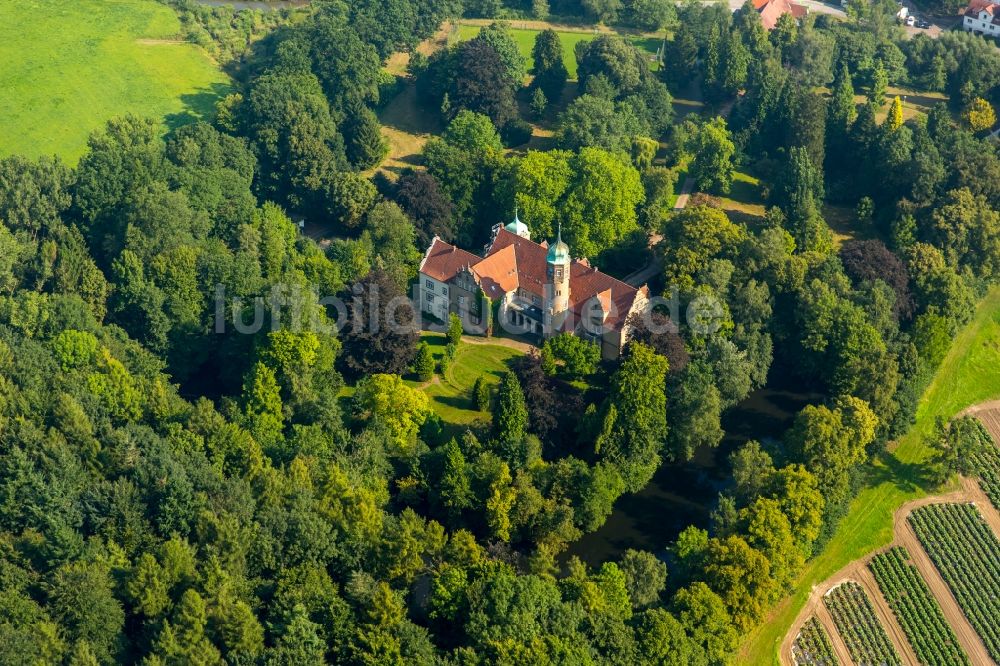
column 443, row 260
column 514, row 262
column 978, row 6
column 529, row 257
column 616, row 297
column 771, row 10
column 498, row 273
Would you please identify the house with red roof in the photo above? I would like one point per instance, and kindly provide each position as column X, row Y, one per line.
column 982, row 17
column 771, row 10
column 530, row 288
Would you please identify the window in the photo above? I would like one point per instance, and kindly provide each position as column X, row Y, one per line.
column 444, row 289
column 430, row 296
column 429, row 284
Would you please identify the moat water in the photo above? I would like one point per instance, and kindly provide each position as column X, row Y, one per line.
column 685, row 494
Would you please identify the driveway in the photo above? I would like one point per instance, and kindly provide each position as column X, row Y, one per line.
column 938, row 23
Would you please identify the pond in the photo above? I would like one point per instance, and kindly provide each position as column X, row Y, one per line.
column 685, row 494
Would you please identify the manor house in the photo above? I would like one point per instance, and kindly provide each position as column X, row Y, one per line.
column 535, row 289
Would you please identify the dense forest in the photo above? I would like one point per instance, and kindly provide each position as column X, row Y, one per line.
column 170, row 494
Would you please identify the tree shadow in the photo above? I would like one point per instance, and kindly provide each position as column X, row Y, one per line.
column 907, row 477
column 199, row 106
column 463, row 402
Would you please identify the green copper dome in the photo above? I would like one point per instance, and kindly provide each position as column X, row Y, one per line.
column 558, row 251
column 518, row 227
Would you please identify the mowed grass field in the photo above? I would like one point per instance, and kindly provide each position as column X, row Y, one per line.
column 451, row 394
column 970, row 374
column 68, row 66
column 525, row 39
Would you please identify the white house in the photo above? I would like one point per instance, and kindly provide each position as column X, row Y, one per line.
column 982, row 17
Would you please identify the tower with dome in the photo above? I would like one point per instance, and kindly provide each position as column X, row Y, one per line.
column 558, row 265
column 535, row 290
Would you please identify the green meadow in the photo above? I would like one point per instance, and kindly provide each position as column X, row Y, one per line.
column 70, row 65
column 525, row 39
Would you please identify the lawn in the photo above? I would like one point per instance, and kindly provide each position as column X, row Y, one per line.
column 525, row 39
column 70, row 65
column 451, row 395
column 970, row 374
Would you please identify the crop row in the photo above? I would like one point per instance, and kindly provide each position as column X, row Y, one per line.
column 918, row 612
column 967, row 553
column 859, row 626
column 985, row 460
column 812, row 646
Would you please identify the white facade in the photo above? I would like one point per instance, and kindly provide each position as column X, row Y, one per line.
column 434, row 297
column 981, row 22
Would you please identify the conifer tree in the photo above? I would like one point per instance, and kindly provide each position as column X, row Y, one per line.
column 510, row 420
column 366, row 147
column 895, row 118
column 423, row 365
column 880, row 82
column 481, row 394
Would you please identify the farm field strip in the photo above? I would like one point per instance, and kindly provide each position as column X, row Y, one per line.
column 812, row 647
column 915, row 608
column 859, row 626
column 986, row 460
column 967, row 554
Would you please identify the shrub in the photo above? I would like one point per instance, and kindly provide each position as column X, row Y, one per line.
column 481, row 394
column 516, row 133
column 454, row 329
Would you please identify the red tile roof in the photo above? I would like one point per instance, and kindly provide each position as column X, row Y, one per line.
column 771, row 10
column 513, row 262
column 498, row 272
column 977, row 6
column 443, row 261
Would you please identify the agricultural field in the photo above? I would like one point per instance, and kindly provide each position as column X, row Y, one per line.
column 986, row 463
column 970, row 374
column 859, row 626
column 967, row 553
column 812, row 646
column 71, row 65
column 525, row 38
column 915, row 608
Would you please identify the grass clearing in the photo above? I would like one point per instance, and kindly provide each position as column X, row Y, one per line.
column 525, row 39
column 744, row 203
column 970, row 374
column 451, row 394
column 844, row 224
column 71, row 65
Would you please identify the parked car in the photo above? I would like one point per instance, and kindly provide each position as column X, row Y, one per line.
column 923, row 24
column 910, row 21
